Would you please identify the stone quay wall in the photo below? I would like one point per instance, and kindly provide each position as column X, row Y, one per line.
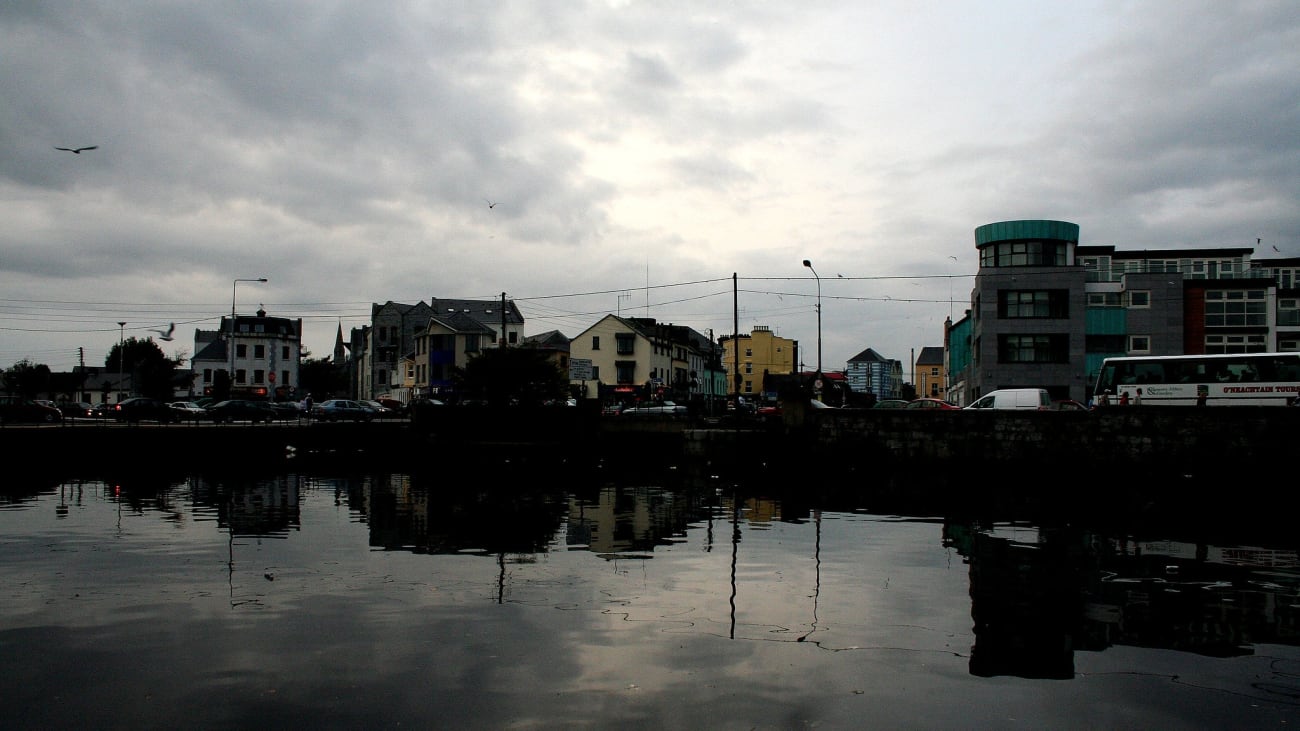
column 1170, row 440
column 1194, row 440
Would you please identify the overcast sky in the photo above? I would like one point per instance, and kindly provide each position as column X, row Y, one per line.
column 635, row 156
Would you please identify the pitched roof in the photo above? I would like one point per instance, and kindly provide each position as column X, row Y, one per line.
column 868, row 355
column 930, row 355
column 461, row 322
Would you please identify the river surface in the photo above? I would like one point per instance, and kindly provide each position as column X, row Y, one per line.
column 630, row 601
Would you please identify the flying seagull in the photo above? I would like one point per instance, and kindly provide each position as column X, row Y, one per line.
column 490, row 203
column 78, row 150
column 166, row 334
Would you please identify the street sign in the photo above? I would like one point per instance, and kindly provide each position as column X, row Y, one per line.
column 579, row 369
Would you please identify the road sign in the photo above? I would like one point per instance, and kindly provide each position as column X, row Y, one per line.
column 579, row 369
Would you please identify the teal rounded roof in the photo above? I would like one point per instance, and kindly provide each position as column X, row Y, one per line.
column 1033, row 229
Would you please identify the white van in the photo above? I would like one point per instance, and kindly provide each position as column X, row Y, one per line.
column 1015, row 398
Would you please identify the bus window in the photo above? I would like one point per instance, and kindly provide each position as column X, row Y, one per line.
column 1148, row 373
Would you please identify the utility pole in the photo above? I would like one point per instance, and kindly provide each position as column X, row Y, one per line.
column 735, row 334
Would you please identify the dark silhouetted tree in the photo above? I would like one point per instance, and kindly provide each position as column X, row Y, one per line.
column 511, row 376
column 321, row 378
column 27, row 379
column 152, row 373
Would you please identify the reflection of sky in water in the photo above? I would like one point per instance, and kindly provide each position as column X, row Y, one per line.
column 349, row 602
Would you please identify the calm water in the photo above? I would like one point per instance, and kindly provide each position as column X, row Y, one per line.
column 439, row 601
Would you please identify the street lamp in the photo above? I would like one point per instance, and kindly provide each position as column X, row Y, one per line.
column 231, row 343
column 819, row 315
column 121, row 333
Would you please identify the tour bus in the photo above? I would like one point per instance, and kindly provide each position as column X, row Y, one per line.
column 1235, row 379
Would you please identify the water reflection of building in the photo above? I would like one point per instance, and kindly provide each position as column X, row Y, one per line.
column 628, row 519
column 1038, row 595
column 261, row 508
column 425, row 514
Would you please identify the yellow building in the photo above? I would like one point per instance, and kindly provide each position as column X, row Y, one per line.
column 929, row 374
column 760, row 353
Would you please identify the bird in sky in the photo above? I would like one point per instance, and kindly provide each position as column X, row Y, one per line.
column 490, row 203
column 166, row 334
column 77, row 150
column 1277, row 250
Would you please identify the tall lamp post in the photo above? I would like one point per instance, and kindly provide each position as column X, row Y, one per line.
column 819, row 315
column 231, row 343
column 121, row 357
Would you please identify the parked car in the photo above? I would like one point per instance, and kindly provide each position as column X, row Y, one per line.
column 76, row 409
column 224, row 412
column 188, row 411
column 285, row 410
column 1014, row 398
column 142, row 408
column 890, row 403
column 14, row 409
column 102, row 410
column 381, row 411
column 936, row 404
column 341, row 409
column 397, row 407
column 654, row 408
column 1068, row 404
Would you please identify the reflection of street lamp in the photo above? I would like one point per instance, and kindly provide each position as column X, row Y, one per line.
column 121, row 331
column 819, row 315
column 231, row 344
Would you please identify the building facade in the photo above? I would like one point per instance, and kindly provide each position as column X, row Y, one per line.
column 870, row 372
column 747, row 359
column 384, row 358
column 1045, row 311
column 638, row 358
column 929, row 373
column 261, row 353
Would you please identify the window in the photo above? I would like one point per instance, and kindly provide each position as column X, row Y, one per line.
column 241, row 350
column 259, row 376
column 1139, row 299
column 749, row 368
column 595, row 373
column 1288, row 312
column 1235, row 344
column 1024, row 254
column 1033, row 348
column 381, row 377
column 259, row 352
column 624, row 343
column 749, row 352
column 595, row 342
column 240, row 375
column 284, row 352
column 1139, row 344
column 471, row 343
column 624, row 370
column 284, row 378
column 1235, row 308
column 1016, row 303
column 512, row 337
column 1103, row 299
column 207, row 375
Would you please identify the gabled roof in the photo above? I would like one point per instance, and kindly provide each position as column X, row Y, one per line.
column 548, row 339
column 460, row 322
column 487, row 312
column 930, row 355
column 868, row 355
